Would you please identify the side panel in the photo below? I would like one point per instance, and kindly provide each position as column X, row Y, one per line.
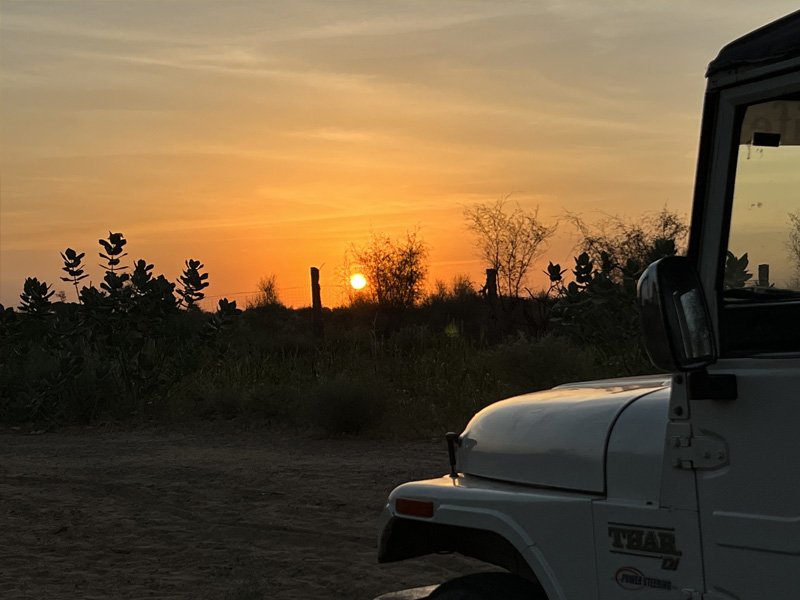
column 750, row 509
column 646, row 552
column 647, row 534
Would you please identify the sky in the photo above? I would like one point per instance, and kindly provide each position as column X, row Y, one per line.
column 267, row 137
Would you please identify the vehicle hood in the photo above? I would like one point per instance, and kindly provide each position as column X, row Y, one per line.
column 555, row 438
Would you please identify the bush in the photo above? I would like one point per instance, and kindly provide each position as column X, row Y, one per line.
column 347, row 406
column 395, row 269
column 525, row 365
column 273, row 403
column 267, row 294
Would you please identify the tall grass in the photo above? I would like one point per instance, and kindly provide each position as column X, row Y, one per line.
column 413, row 381
column 428, row 373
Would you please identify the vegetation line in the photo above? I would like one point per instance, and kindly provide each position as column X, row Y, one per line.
column 395, row 359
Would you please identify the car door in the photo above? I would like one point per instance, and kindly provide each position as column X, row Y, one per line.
column 749, row 258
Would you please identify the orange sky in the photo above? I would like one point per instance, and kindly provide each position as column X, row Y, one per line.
column 265, row 137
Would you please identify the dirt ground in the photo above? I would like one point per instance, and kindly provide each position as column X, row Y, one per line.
column 215, row 513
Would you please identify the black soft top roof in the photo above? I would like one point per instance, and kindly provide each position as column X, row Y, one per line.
column 779, row 40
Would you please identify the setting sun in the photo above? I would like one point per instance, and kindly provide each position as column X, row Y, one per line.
column 358, row 281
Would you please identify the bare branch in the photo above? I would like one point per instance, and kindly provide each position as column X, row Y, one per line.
column 509, row 239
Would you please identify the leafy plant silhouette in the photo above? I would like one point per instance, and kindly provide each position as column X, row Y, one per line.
column 113, row 247
column 114, row 281
column 598, row 308
column 35, row 297
column 736, row 273
column 193, row 281
column 73, row 268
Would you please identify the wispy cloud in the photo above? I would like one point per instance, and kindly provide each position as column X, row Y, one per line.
column 424, row 17
column 186, row 124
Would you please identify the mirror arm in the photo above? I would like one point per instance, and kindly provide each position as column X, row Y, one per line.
column 702, row 385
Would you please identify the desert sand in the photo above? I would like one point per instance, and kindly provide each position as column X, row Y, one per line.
column 209, row 512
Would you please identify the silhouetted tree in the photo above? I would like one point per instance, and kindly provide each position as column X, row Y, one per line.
column 395, row 269
column 625, row 247
column 509, row 239
column 267, row 294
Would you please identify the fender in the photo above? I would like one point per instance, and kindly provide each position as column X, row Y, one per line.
column 520, row 528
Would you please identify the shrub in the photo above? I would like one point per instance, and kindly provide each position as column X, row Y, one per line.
column 395, row 269
column 347, row 406
column 525, row 365
column 204, row 396
column 119, row 352
column 35, row 297
column 267, row 294
column 600, row 312
column 279, row 403
column 626, row 246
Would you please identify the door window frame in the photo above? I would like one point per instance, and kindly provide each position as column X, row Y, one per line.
column 715, row 187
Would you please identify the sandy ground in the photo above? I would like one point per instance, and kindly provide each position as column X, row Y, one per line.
column 217, row 513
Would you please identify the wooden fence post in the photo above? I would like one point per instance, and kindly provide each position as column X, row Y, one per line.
column 316, row 303
column 491, row 285
column 763, row 275
column 493, row 327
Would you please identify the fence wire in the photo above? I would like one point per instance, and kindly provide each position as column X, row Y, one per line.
column 291, row 296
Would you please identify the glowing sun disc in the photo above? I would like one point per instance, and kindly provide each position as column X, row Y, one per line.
column 358, row 281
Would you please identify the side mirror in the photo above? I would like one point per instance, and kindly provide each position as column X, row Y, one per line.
column 675, row 319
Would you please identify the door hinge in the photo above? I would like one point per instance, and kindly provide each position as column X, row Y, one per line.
column 689, row 451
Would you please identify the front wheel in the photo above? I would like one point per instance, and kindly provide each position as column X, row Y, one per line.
column 489, row 586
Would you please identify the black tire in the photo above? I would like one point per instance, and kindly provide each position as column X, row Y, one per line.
column 489, row 586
